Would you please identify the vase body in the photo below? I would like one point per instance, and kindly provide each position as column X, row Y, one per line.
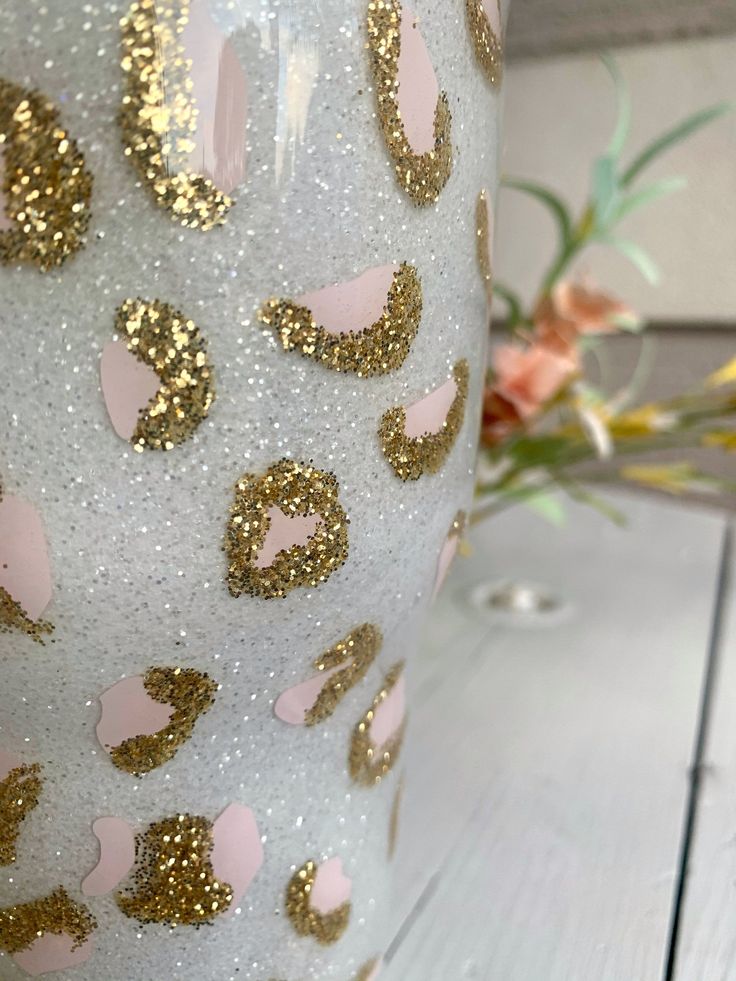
column 219, row 533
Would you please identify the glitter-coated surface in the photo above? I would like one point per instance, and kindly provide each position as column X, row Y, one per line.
column 45, row 182
column 158, row 117
column 367, row 765
column 57, row 913
column 412, row 457
column 191, row 693
column 326, row 928
column 377, row 350
column 422, row 175
column 296, row 489
column 164, row 338
column 19, row 793
column 357, row 652
column 483, row 243
column 174, row 880
column 488, row 46
column 135, row 539
column 13, row 617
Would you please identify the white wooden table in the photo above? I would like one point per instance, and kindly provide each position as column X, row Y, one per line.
column 562, row 778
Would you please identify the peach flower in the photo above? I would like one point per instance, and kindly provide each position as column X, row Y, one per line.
column 524, row 379
column 573, row 310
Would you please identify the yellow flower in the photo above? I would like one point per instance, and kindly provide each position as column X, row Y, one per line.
column 674, row 478
column 725, row 375
column 724, row 439
column 644, row 421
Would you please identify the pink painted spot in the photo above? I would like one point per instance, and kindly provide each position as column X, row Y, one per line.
column 351, row 306
column 237, row 852
column 127, row 711
column 331, row 888
column 52, row 952
column 418, row 89
column 389, row 716
column 493, row 13
column 293, row 704
column 8, row 763
column 5, row 222
column 444, row 561
column 285, row 532
column 428, row 415
column 24, row 562
column 219, row 89
column 128, row 385
column 117, row 856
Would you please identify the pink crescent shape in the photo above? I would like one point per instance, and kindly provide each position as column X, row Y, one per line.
column 351, row 306
column 128, row 385
column 283, row 533
column 331, row 887
column 428, row 415
column 418, row 88
column 52, row 952
column 117, row 856
column 219, row 88
column 24, row 563
column 445, row 560
column 493, row 13
column 237, row 851
column 294, row 703
column 389, row 716
column 128, row 711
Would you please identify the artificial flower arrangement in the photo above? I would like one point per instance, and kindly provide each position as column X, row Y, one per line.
column 542, row 419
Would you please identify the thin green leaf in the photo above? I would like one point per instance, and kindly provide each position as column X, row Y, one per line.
column 637, row 256
column 584, row 496
column 554, row 203
column 516, row 311
column 547, row 506
column 605, row 190
column 623, row 115
column 648, row 195
column 671, row 138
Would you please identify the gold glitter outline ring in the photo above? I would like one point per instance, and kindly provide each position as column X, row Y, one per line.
column 326, row 928
column 364, row 766
column 487, row 45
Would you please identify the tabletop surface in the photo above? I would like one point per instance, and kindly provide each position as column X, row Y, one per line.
column 570, row 785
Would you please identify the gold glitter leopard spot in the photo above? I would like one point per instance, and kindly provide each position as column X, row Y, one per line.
column 341, row 668
column 45, row 187
column 414, row 116
column 158, row 382
column 365, row 326
column 318, row 901
column 145, row 720
column 183, row 111
column 49, row 934
column 287, row 528
column 417, row 439
column 20, row 789
column 378, row 737
column 484, row 24
column 175, row 882
column 484, row 242
column 25, row 571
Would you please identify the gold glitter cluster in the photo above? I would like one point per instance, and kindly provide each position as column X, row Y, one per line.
column 45, row 183
column 422, row 175
column 297, row 489
column 483, row 243
column 325, row 928
column 14, row 617
column 19, row 794
column 487, row 44
column 57, row 914
column 174, row 879
column 412, row 457
column 359, row 649
column 162, row 337
column 158, row 116
column 377, row 350
column 191, row 693
column 369, row 764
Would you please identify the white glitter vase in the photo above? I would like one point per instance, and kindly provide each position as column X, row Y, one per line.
column 245, row 272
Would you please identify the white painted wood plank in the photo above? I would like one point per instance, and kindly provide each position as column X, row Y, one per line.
column 707, row 946
column 547, row 772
